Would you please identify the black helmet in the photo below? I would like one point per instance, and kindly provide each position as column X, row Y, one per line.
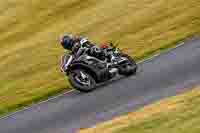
column 66, row 41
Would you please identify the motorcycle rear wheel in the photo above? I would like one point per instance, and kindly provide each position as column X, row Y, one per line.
column 130, row 68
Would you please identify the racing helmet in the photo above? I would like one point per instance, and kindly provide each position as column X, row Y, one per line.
column 67, row 41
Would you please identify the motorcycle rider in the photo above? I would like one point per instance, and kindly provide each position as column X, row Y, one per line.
column 75, row 44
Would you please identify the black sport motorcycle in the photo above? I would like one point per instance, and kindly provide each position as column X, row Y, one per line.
column 85, row 72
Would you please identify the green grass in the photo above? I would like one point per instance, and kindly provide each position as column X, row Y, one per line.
column 29, row 33
column 179, row 114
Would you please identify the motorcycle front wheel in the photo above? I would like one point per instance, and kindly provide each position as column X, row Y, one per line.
column 82, row 80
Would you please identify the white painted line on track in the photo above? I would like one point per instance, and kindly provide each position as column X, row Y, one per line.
column 36, row 104
column 162, row 52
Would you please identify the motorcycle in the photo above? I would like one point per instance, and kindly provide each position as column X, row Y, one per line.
column 85, row 72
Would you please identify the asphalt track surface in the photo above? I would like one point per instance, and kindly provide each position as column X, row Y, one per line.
column 162, row 76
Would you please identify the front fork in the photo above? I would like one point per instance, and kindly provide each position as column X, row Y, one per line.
column 65, row 63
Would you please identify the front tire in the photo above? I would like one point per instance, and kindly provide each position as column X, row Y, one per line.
column 82, row 80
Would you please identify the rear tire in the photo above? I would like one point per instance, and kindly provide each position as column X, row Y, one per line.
column 83, row 85
column 128, row 69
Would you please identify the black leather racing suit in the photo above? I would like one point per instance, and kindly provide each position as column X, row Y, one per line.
column 94, row 50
